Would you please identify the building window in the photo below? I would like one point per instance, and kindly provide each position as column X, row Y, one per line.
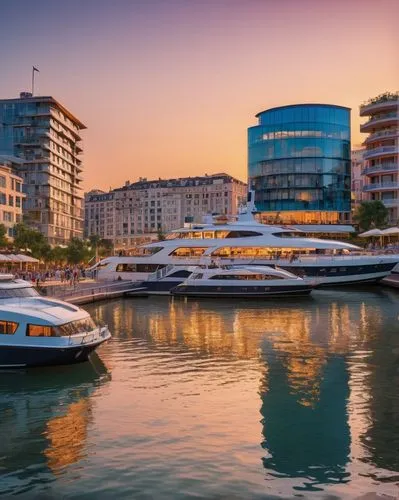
column 2, row 181
column 10, row 200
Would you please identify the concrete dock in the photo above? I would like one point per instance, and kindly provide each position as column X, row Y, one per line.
column 88, row 292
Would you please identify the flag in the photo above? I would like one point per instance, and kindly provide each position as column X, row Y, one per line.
column 35, row 69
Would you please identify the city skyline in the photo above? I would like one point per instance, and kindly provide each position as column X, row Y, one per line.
column 168, row 89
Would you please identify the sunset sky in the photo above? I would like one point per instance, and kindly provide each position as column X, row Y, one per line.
column 169, row 87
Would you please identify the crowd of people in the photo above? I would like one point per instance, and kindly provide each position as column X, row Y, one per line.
column 65, row 275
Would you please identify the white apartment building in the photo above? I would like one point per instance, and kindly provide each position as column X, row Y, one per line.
column 382, row 151
column 44, row 137
column 144, row 208
column 357, row 178
column 11, row 199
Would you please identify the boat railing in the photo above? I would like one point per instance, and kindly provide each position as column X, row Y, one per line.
column 160, row 273
column 60, row 292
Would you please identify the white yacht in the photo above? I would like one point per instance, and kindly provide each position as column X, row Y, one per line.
column 241, row 282
column 245, row 241
column 37, row 331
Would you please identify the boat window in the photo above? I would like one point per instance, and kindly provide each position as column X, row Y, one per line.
column 246, row 277
column 263, row 252
column 289, row 234
column 172, row 236
column 242, row 234
column 39, row 331
column 8, row 327
column 144, row 251
column 74, row 327
column 126, row 268
column 138, row 268
column 18, row 292
column 188, row 251
column 180, row 274
column 197, row 276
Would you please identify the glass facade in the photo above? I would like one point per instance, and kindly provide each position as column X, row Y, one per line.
column 299, row 161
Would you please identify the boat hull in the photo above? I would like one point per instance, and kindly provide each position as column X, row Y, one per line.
column 29, row 356
column 248, row 292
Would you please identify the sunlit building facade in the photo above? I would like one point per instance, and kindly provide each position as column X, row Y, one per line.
column 358, row 178
column 44, row 138
column 139, row 211
column 382, row 151
column 11, row 198
column 299, row 164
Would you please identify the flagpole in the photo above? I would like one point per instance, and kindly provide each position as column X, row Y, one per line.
column 33, row 80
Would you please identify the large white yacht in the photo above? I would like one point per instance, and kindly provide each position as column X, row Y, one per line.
column 37, row 331
column 245, row 241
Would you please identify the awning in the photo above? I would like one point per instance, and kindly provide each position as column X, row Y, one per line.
column 372, row 232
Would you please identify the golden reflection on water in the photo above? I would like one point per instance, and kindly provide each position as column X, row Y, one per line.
column 67, row 435
column 304, row 334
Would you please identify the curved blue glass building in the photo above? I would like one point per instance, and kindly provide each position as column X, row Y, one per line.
column 299, row 164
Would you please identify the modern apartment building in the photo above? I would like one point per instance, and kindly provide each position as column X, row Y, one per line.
column 358, row 178
column 45, row 137
column 382, row 151
column 11, row 199
column 137, row 211
column 299, row 164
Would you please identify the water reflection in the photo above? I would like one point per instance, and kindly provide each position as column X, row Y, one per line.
column 327, row 368
column 44, row 415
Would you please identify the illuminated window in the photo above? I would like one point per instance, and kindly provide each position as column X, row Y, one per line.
column 8, row 327
column 39, row 331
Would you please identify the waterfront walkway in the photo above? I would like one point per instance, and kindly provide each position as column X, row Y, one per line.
column 88, row 291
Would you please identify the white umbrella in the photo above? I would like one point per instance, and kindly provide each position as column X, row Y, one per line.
column 371, row 232
column 26, row 258
column 4, row 258
column 391, row 230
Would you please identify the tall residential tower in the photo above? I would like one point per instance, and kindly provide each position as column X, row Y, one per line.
column 382, row 151
column 44, row 138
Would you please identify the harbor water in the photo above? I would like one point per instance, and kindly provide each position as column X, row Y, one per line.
column 218, row 399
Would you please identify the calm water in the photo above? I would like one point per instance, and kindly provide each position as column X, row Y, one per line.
column 215, row 399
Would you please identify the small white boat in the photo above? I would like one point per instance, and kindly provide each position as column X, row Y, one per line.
column 38, row 331
column 243, row 282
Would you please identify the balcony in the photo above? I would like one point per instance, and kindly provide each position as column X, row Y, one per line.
column 383, row 120
column 381, row 186
column 372, row 107
column 381, row 135
column 380, row 169
column 381, row 151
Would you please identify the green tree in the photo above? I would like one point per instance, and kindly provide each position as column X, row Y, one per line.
column 31, row 240
column 105, row 248
column 3, row 236
column 160, row 234
column 58, row 255
column 371, row 214
column 77, row 251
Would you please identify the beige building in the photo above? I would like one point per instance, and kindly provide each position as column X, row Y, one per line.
column 11, row 199
column 381, row 153
column 357, row 178
column 44, row 137
column 136, row 212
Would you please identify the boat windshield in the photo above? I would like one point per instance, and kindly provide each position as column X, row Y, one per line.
column 10, row 293
column 72, row 328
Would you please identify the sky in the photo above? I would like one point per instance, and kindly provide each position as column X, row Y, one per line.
column 168, row 88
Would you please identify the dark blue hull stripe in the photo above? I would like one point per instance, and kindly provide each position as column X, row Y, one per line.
column 14, row 356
